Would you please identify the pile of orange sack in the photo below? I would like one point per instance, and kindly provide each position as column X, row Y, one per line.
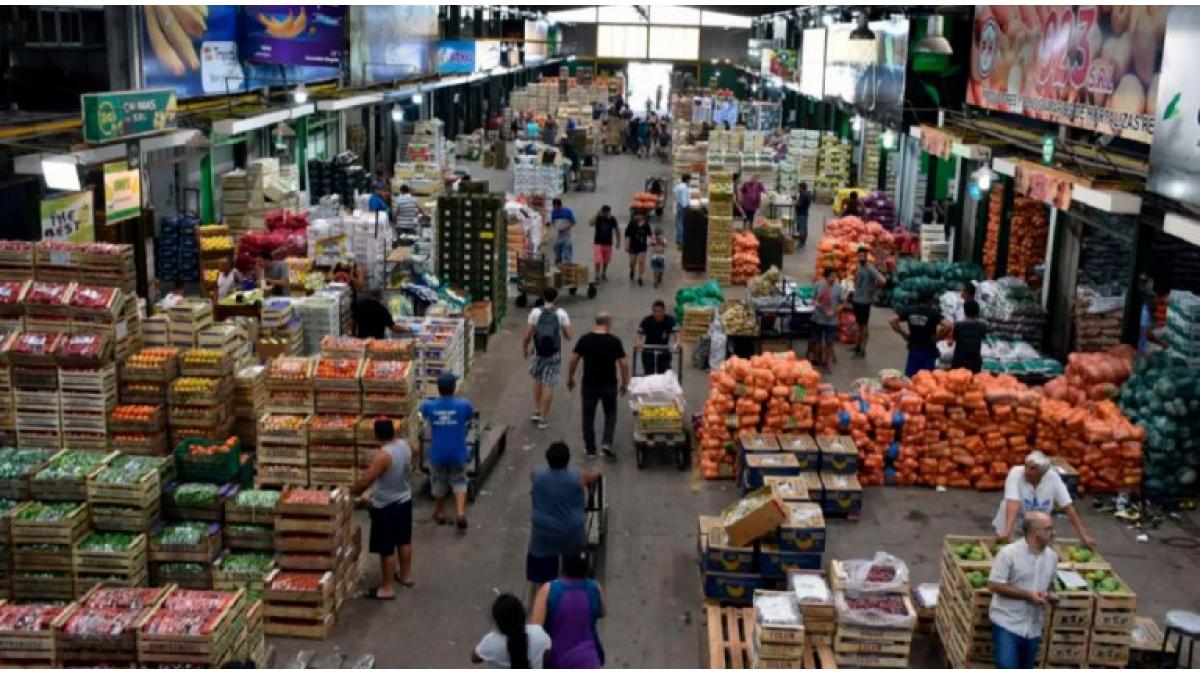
column 745, row 257
column 771, row 393
column 838, row 247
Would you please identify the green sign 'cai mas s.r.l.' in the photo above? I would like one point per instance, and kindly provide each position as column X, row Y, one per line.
column 114, row 115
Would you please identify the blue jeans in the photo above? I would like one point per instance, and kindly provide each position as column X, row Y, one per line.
column 564, row 251
column 1013, row 651
column 679, row 225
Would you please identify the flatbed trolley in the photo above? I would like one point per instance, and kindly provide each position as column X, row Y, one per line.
column 664, row 434
column 596, row 520
column 531, row 279
column 486, row 441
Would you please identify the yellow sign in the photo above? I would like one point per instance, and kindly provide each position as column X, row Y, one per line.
column 69, row 217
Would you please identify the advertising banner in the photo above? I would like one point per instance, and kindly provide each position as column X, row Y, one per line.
column 868, row 74
column 69, row 217
column 487, row 55
column 113, row 115
column 191, row 48
column 537, row 37
column 298, row 35
column 937, row 142
column 391, row 42
column 812, row 63
column 122, row 192
column 1175, row 154
column 779, row 63
column 455, row 57
column 1089, row 66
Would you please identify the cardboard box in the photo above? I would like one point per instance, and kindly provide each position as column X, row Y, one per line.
column 787, row 488
column 808, row 455
column 775, row 563
column 737, row 588
column 720, row 556
column 816, row 489
column 843, row 494
column 755, row 442
column 707, row 525
column 762, row 517
column 758, row 465
column 804, row 530
column 839, row 454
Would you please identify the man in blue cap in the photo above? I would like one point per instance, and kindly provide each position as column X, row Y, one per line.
column 448, row 416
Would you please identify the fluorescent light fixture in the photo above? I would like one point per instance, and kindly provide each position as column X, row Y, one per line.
column 417, row 98
column 336, row 104
column 61, row 173
column 397, row 113
column 889, row 139
column 300, row 94
column 983, row 178
column 827, row 20
column 856, row 123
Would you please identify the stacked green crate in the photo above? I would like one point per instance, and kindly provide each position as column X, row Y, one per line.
column 472, row 247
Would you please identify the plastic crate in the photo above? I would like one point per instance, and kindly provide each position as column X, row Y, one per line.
column 218, row 468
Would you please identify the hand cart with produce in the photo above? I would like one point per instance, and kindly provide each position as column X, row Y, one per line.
column 486, row 441
column 660, row 419
column 585, row 177
column 532, row 278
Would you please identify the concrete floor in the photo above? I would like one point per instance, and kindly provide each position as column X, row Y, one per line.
column 649, row 569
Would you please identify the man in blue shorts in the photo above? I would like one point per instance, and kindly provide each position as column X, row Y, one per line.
column 448, row 417
column 828, row 298
column 921, row 327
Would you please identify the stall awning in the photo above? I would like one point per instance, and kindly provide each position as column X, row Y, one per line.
column 1049, row 185
column 230, row 127
column 349, row 102
column 101, row 154
column 1184, row 228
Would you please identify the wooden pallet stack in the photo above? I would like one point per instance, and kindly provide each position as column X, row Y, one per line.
column 45, row 536
column 720, row 227
column 192, row 628
column 290, row 386
column 317, row 547
column 202, row 397
column 29, row 635
column 249, row 403
column 101, row 629
column 961, row 617
column 779, row 639
column 874, row 627
column 282, row 457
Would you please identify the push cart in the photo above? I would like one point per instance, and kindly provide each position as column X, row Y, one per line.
column 531, row 278
column 485, row 443
column 596, row 519
column 660, row 422
column 585, row 177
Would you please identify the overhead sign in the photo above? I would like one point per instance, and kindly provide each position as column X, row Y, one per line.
column 301, row 35
column 191, row 48
column 122, row 192
column 868, row 74
column 455, row 57
column 115, row 115
column 1175, row 154
column 69, row 217
column 487, row 55
column 937, row 142
column 1049, row 186
column 812, row 63
column 1087, row 66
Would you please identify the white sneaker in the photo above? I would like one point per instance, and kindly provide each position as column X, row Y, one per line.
column 542, row 424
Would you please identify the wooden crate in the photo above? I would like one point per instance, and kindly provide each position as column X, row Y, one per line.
column 238, row 514
column 41, row 558
column 205, row 552
column 331, row 456
column 231, row 581
column 67, row 489
column 730, row 636
column 141, row 444
column 187, row 575
column 208, row 649
column 40, row 588
column 819, row 657
column 32, row 648
column 101, row 649
column 65, row 532
column 248, row 536
column 1109, row 649
column 273, row 452
column 209, row 513
column 338, row 402
column 1073, row 611
column 297, row 436
column 124, row 518
column 141, row 493
column 128, row 563
column 1065, row 647
column 1115, row 610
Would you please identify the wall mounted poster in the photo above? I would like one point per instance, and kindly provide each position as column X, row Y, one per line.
column 455, row 57
column 868, row 74
column 1175, row 154
column 1089, row 66
column 812, row 63
column 69, row 217
column 391, row 42
column 299, row 35
column 191, row 48
column 122, row 192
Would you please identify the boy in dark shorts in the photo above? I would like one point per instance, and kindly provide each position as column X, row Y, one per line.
column 389, row 477
column 867, row 282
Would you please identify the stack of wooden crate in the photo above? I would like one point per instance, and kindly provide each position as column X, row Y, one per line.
column 192, row 628
column 388, row 391
column 182, row 553
column 961, row 617
column 874, row 627
column 44, row 538
column 36, row 400
column 720, row 227
column 696, row 321
column 202, row 398
column 250, row 521
column 139, row 429
column 282, row 457
column 187, row 319
column 145, row 379
column 249, row 403
column 317, row 547
column 331, row 449
column 779, row 637
column 290, row 386
column 1090, row 627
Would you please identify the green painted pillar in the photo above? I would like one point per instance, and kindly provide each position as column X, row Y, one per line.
column 206, row 189
column 302, row 151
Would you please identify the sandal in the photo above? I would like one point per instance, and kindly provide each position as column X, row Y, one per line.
column 405, row 584
column 373, row 594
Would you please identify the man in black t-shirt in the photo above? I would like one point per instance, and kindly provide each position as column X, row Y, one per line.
column 968, row 339
column 921, row 327
column 656, row 332
column 603, row 355
column 371, row 318
column 607, row 231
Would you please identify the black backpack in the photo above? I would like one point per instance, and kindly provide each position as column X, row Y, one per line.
column 547, row 335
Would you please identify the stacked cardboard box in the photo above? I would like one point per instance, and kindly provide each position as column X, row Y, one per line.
column 835, row 168
column 472, row 246
column 720, row 227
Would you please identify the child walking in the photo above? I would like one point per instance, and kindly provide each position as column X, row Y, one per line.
column 658, row 256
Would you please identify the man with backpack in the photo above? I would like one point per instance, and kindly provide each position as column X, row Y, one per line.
column 544, row 331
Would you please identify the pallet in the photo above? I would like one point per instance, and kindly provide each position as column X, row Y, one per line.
column 730, row 636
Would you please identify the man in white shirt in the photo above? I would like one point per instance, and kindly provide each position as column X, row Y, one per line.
column 544, row 332
column 1036, row 487
column 1020, row 582
column 682, row 194
column 408, row 211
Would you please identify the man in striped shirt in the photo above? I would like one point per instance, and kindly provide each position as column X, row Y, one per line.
column 407, row 210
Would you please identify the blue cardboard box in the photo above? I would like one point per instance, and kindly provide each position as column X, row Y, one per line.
column 804, row 529
column 723, row 558
column 759, row 465
column 731, row 587
column 788, row 488
column 839, row 455
column 808, row 455
column 843, row 494
column 774, row 563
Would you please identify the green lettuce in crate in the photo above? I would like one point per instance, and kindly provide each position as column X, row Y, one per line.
column 247, row 530
column 196, row 494
column 127, row 469
column 17, row 463
column 257, row 500
column 46, row 512
column 182, row 569
column 247, row 563
column 71, row 464
column 182, row 534
column 106, row 542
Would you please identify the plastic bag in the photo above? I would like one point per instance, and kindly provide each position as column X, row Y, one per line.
column 882, row 574
column 887, row 610
column 809, row 588
column 664, row 386
column 717, row 344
